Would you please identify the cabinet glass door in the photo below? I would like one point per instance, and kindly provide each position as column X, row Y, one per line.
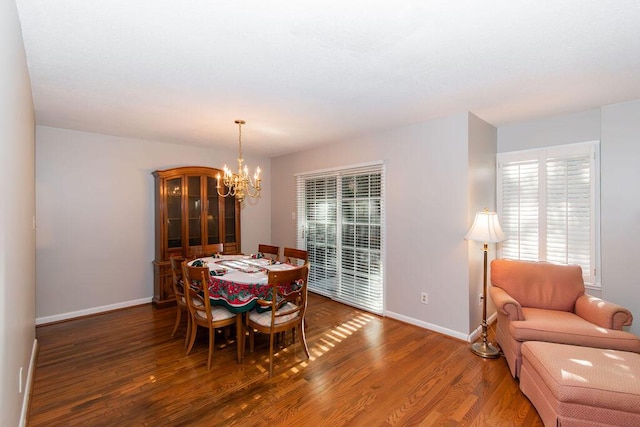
column 213, row 212
column 194, row 211
column 174, row 213
column 230, row 219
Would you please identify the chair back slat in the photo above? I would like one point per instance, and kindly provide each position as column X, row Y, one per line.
column 270, row 251
column 211, row 250
column 295, row 256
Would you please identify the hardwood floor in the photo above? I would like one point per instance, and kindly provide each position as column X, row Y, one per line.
column 124, row 369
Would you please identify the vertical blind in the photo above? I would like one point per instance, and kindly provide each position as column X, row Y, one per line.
column 341, row 225
column 548, row 202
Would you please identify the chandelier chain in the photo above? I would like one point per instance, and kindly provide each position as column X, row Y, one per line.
column 240, row 123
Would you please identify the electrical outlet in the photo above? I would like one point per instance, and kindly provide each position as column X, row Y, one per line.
column 424, row 298
column 480, row 298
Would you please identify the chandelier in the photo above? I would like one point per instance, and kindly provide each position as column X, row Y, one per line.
column 239, row 184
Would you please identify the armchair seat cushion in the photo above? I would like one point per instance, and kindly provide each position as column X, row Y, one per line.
column 568, row 328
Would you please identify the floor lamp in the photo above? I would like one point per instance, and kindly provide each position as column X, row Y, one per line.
column 486, row 229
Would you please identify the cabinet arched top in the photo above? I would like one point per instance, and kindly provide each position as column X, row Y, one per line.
column 187, row 170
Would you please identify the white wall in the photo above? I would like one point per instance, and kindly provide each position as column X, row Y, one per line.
column 557, row 130
column 95, row 201
column 620, row 213
column 17, row 208
column 482, row 194
column 427, row 215
column 617, row 127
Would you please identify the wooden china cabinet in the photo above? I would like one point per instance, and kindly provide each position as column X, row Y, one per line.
column 190, row 217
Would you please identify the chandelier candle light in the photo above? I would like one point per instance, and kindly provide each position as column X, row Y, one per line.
column 239, row 184
column 486, row 229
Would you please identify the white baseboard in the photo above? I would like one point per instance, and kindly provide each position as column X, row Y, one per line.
column 426, row 325
column 88, row 311
column 26, row 398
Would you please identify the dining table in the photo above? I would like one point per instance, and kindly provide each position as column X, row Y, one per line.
column 237, row 282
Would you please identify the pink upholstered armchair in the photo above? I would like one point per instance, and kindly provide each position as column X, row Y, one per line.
column 539, row 301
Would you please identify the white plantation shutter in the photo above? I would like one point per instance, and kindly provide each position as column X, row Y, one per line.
column 569, row 203
column 548, row 202
column 341, row 225
column 520, row 202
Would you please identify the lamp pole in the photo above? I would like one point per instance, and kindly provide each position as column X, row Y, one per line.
column 484, row 348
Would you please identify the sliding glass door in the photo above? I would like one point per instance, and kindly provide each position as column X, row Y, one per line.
column 341, row 225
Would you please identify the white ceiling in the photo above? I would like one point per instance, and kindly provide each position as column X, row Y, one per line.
column 305, row 73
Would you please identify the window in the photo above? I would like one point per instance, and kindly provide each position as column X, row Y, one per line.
column 548, row 202
column 341, row 225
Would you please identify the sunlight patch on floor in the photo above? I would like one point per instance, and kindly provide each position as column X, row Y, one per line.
column 331, row 338
column 325, row 343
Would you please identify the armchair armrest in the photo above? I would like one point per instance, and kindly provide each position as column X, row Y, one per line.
column 602, row 313
column 506, row 304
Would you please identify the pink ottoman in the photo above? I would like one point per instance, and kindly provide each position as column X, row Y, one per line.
column 581, row 386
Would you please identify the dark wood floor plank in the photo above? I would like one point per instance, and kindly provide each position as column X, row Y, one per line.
column 124, row 368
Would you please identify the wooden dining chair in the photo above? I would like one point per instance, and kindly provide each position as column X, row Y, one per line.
column 284, row 311
column 272, row 252
column 202, row 313
column 295, row 256
column 181, row 301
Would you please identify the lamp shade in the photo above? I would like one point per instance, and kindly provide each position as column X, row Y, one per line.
column 486, row 228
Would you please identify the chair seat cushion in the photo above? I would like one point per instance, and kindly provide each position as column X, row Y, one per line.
column 264, row 318
column 197, row 303
column 218, row 313
column 568, row 328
